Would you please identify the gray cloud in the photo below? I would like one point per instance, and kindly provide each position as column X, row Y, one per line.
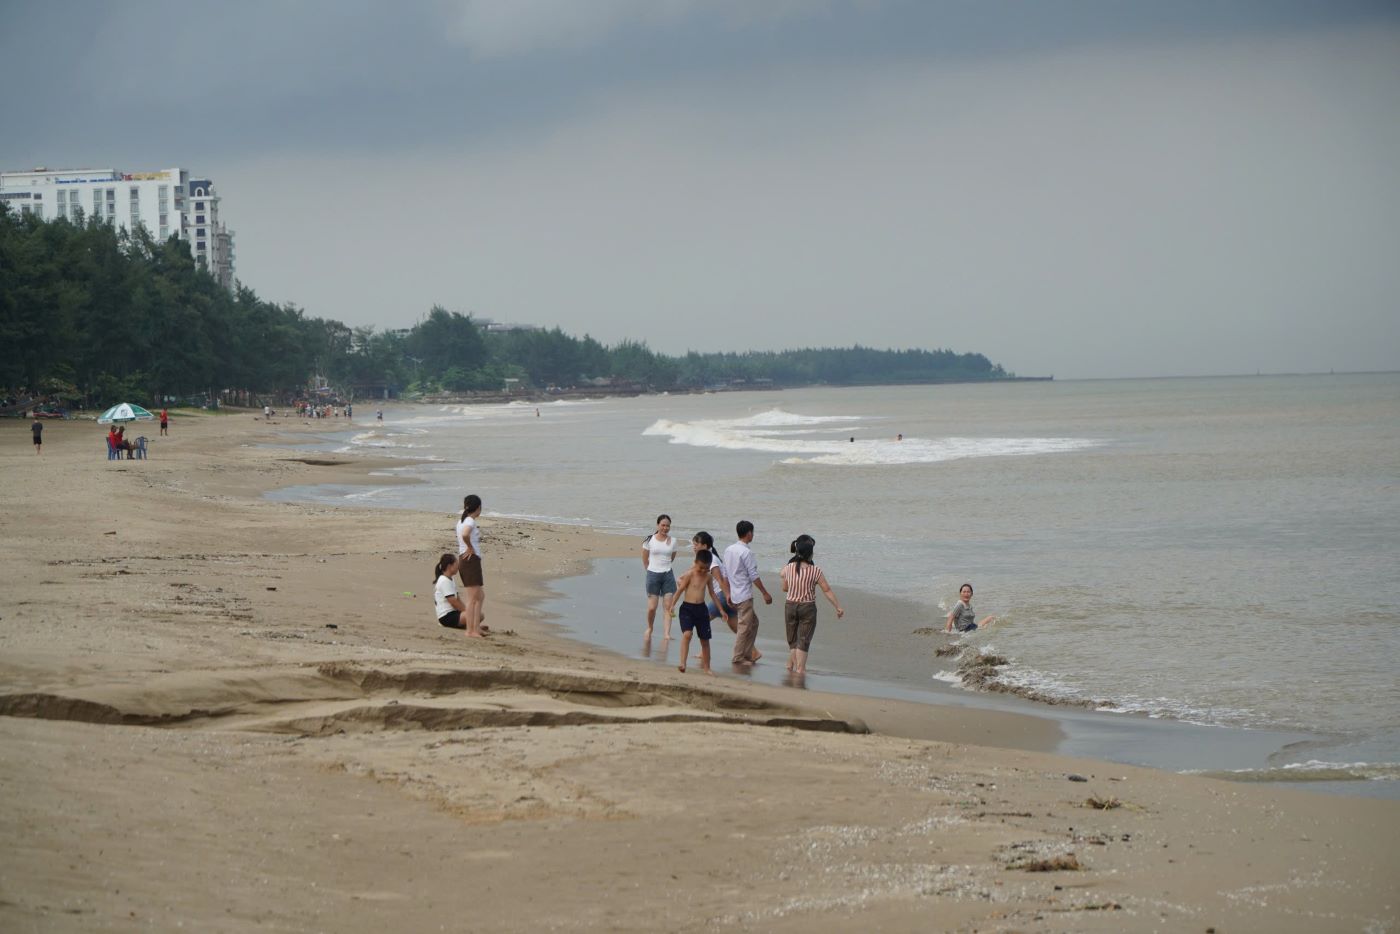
column 1079, row 188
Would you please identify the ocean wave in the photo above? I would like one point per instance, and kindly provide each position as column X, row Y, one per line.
column 938, row 450
column 981, row 668
column 778, row 432
column 1312, row 771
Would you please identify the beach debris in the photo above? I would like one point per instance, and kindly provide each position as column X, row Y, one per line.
column 925, row 631
column 1065, row 863
column 409, row 593
column 943, row 651
column 1102, row 802
column 332, row 626
column 1076, row 777
column 272, row 588
column 113, row 532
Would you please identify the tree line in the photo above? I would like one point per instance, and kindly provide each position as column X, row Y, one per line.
column 97, row 314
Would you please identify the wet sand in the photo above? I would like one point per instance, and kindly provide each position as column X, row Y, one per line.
column 227, row 713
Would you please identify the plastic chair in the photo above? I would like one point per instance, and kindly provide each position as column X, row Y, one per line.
column 140, row 451
column 113, row 454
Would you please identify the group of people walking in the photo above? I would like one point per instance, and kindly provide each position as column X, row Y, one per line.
column 724, row 587
column 714, row 586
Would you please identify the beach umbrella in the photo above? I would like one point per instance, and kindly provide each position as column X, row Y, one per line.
column 125, row 412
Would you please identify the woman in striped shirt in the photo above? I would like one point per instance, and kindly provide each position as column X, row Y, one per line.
column 800, row 579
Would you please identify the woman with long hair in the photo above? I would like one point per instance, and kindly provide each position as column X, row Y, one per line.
column 469, row 564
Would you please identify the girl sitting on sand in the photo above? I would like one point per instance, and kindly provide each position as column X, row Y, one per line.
column 448, row 605
column 961, row 617
column 800, row 579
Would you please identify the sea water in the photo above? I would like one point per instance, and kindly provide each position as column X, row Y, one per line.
column 1218, row 551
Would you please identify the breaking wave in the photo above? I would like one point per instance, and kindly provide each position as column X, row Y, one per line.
column 1312, row 771
column 784, row 433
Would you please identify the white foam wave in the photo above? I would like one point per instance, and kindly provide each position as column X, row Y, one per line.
column 761, row 433
column 777, row 418
column 1031, row 682
column 1313, row 770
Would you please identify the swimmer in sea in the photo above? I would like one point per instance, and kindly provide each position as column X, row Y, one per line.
column 961, row 617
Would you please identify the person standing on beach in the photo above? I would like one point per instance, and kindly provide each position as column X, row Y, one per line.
column 469, row 559
column 38, row 429
column 800, row 578
column 695, row 618
column 719, row 604
column 742, row 571
column 658, row 551
column 961, row 617
column 164, row 422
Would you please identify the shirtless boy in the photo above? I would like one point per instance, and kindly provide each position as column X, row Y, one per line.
column 695, row 616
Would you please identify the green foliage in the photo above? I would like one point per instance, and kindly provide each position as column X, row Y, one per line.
column 93, row 312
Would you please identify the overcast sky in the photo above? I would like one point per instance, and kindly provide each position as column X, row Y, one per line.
column 1084, row 189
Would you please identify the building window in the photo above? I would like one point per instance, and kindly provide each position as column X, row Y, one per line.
column 199, row 232
column 164, row 220
column 199, row 205
column 199, row 218
column 164, row 232
column 111, row 194
column 199, row 245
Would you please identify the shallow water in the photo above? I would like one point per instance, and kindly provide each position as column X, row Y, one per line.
column 1216, row 551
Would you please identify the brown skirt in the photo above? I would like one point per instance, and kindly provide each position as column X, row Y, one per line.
column 470, row 569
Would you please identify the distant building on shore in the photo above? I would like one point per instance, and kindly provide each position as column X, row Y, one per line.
column 168, row 203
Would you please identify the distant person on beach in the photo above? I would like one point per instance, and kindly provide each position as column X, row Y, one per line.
column 448, row 606
column 658, row 551
column 267, row 412
column 742, row 571
column 38, row 429
column 469, row 560
column 117, row 437
column 164, row 422
column 379, row 415
column 718, row 603
column 695, row 617
column 349, row 411
column 800, row 579
column 961, row 617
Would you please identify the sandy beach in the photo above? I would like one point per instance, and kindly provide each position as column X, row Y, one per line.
column 227, row 713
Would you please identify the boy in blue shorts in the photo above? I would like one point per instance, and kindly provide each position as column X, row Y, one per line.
column 695, row 616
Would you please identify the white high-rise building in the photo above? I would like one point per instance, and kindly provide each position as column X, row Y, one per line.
column 167, row 203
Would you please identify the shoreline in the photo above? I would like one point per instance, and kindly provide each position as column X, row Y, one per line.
column 234, row 712
column 1231, row 752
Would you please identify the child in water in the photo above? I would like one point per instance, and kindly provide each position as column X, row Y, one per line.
column 695, row 616
column 961, row 617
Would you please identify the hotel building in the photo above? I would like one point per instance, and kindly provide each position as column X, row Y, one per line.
column 168, row 203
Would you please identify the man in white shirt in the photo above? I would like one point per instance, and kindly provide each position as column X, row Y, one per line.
column 742, row 571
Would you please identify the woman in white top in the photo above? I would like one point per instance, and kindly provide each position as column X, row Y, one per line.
column 447, row 605
column 469, row 564
column 658, row 551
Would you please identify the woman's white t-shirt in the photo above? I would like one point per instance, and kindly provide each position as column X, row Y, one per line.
column 444, row 588
column 659, row 554
column 473, row 531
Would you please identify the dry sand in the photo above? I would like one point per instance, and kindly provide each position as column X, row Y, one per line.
column 226, row 713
